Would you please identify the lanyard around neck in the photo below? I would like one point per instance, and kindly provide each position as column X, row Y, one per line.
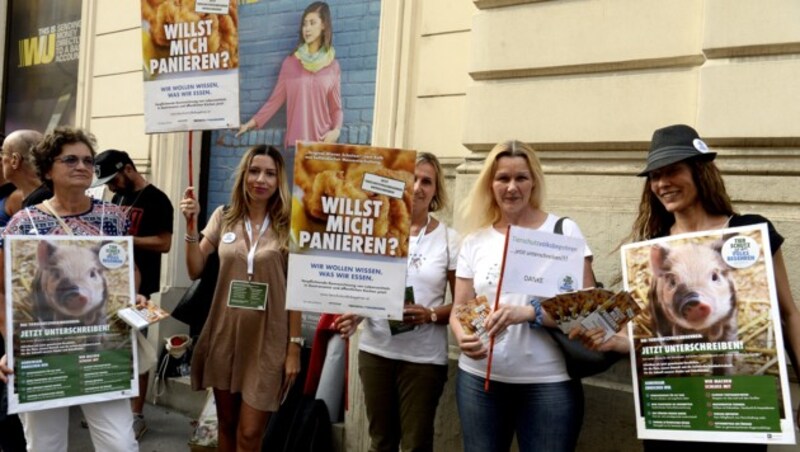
column 414, row 261
column 251, row 254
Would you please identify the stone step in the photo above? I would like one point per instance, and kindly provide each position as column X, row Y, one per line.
column 177, row 395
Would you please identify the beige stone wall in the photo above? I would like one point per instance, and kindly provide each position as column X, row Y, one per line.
column 587, row 82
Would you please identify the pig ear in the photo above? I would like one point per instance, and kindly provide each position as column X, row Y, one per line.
column 717, row 245
column 658, row 255
column 43, row 253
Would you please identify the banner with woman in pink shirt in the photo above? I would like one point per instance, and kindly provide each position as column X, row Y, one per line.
column 309, row 83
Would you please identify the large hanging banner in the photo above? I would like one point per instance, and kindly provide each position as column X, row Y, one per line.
column 351, row 215
column 67, row 346
column 42, row 65
column 707, row 350
column 191, row 65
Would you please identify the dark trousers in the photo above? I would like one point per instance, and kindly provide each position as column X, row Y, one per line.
column 401, row 399
column 12, row 438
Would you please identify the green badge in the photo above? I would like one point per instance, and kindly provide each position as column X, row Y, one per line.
column 248, row 295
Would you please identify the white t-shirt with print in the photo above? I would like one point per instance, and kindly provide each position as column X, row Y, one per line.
column 429, row 261
column 525, row 355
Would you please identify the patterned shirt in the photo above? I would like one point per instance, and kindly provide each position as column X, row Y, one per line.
column 102, row 219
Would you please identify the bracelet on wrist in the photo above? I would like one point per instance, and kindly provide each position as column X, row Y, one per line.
column 191, row 238
column 538, row 313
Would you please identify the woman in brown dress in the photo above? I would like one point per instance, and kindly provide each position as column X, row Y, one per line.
column 249, row 350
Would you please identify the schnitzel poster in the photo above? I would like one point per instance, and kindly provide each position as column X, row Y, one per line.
column 351, row 216
column 190, row 62
column 707, row 350
column 67, row 345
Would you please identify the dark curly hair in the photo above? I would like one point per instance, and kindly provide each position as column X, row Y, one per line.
column 52, row 145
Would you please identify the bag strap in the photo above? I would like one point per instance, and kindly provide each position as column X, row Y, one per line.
column 559, row 229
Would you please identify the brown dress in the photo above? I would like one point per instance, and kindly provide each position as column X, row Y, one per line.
column 243, row 350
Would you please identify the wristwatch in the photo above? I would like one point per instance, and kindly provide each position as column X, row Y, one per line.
column 434, row 318
column 299, row 340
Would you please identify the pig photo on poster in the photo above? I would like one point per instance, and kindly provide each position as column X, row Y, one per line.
column 692, row 294
column 707, row 349
column 67, row 345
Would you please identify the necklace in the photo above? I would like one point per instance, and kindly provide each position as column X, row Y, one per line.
column 130, row 206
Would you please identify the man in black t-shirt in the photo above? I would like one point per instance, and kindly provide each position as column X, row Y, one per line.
column 151, row 214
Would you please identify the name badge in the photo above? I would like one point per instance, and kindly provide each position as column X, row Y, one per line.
column 248, row 295
column 228, row 237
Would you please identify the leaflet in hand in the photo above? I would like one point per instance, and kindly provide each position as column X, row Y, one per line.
column 592, row 308
column 473, row 314
column 142, row 317
column 398, row 326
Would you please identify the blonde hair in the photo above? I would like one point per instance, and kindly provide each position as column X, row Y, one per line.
column 439, row 200
column 480, row 209
column 278, row 206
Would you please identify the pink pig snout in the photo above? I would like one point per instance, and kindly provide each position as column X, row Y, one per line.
column 693, row 309
column 72, row 298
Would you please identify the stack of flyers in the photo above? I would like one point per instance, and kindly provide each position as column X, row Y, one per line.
column 592, row 308
column 473, row 314
column 141, row 317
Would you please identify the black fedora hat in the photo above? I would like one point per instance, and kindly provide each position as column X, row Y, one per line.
column 673, row 144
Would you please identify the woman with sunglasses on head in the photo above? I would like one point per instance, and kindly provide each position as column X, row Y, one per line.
column 249, row 349
column 403, row 366
column 65, row 161
column 530, row 393
column 684, row 192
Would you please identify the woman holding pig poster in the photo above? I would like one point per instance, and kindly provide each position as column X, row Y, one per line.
column 684, row 192
column 65, row 162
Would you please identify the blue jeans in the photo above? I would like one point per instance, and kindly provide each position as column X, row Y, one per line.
column 545, row 416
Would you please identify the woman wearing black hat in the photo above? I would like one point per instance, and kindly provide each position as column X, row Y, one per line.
column 684, row 192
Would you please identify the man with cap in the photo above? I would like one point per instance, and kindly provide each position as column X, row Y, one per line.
column 151, row 213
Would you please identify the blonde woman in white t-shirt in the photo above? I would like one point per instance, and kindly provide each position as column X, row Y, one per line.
column 403, row 367
column 530, row 393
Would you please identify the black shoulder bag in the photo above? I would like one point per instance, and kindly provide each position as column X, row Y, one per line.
column 195, row 304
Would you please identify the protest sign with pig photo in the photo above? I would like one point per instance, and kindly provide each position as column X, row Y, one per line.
column 351, row 215
column 707, row 352
column 67, row 345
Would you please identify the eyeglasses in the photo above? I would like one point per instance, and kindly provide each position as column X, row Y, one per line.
column 72, row 161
